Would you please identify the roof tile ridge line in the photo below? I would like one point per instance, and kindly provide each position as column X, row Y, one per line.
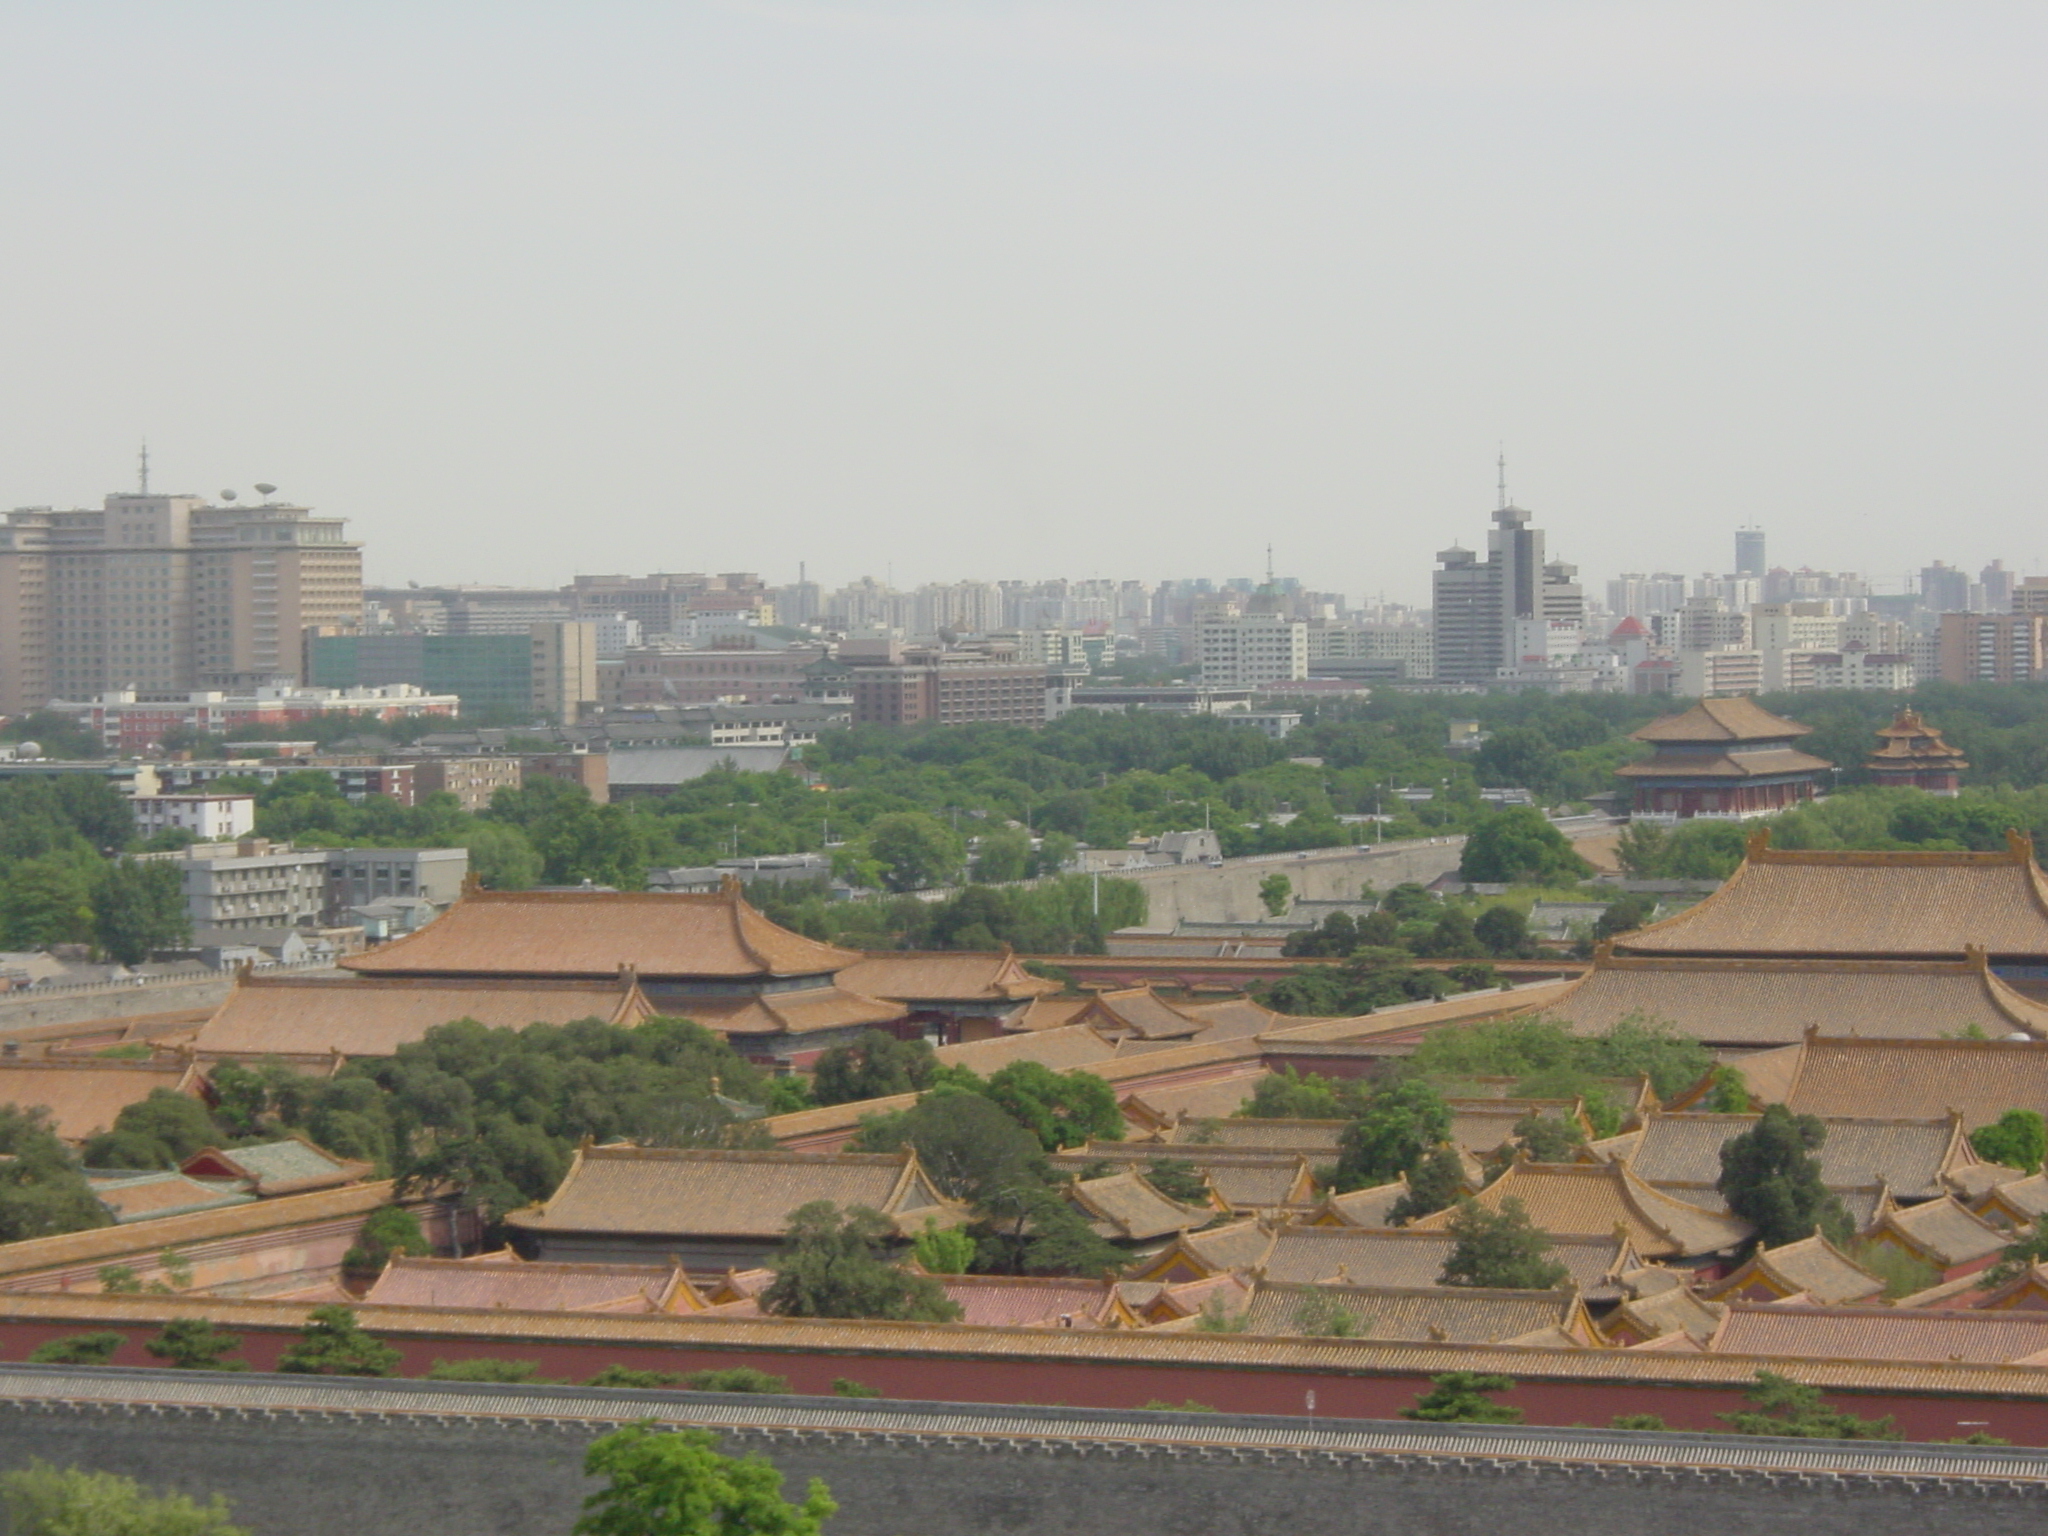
column 1632, row 1182
column 478, row 895
column 1759, row 844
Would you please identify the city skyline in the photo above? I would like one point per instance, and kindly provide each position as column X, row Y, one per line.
column 958, row 287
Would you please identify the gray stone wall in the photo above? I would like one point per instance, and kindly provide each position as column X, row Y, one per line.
column 332, row 1472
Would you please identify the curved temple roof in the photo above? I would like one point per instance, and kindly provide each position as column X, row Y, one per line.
column 1730, row 1002
column 1934, row 905
column 577, row 934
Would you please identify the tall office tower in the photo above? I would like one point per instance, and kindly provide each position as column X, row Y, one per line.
column 1944, row 589
column 166, row 594
column 1749, row 551
column 1478, row 601
column 1997, row 582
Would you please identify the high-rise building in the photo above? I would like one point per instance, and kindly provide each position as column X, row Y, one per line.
column 1944, row 589
column 1749, row 552
column 1997, row 582
column 564, row 669
column 2029, row 596
column 1478, row 601
column 166, row 594
column 1993, row 647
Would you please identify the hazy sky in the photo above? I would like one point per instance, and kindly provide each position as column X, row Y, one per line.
column 1037, row 288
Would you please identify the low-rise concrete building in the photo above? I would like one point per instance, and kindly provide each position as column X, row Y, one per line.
column 357, row 877
column 206, row 817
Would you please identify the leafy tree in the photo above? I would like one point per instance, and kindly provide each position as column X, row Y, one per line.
column 1336, row 935
column 1459, row 1397
column 1518, row 846
column 42, row 1191
column 1625, row 914
column 1729, row 1094
column 1178, row 1179
column 2020, row 1255
column 1062, row 1109
column 1901, row 1272
column 1034, row 1230
column 675, row 1483
column 628, row 1376
column 1215, row 1317
column 333, row 1344
column 1275, row 892
column 837, row 1264
column 2017, row 1139
column 1771, row 1178
column 45, row 901
column 502, row 858
column 1781, row 1406
column 1500, row 1249
column 1434, row 1183
column 1409, row 901
column 1547, row 1138
column 1545, row 1052
column 79, row 1349
column 1291, row 1095
column 139, row 908
column 160, row 1131
column 875, row 1066
column 943, row 1250
column 1002, row 856
column 1322, row 1316
column 914, row 851
column 42, row 1500
column 387, row 1231
column 1637, row 1421
column 972, row 1150
column 846, row 1386
column 196, row 1344
column 1400, row 1122
column 738, row 1378
column 1504, row 930
column 484, row 1368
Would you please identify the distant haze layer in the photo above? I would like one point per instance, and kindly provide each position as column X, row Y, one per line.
column 945, row 290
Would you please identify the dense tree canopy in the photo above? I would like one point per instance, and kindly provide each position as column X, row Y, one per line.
column 1770, row 1177
column 835, row 1263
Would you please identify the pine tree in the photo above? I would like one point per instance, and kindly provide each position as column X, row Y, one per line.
column 332, row 1344
column 1459, row 1397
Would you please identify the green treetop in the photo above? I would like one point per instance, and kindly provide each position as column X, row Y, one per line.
column 675, row 1483
column 1771, row 1178
column 1500, row 1249
column 838, row 1264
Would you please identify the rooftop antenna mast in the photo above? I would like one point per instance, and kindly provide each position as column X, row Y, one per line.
column 1269, row 565
column 1503, row 480
column 145, row 466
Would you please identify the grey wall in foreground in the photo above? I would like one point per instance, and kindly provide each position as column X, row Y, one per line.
column 329, row 1472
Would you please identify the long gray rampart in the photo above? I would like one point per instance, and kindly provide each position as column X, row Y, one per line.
column 321, row 1457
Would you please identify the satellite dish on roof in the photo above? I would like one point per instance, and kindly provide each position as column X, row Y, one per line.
column 266, row 490
column 227, row 495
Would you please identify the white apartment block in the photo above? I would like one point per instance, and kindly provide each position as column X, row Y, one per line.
column 1789, row 635
column 1713, row 674
column 1865, row 671
column 1250, row 650
column 207, row 817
